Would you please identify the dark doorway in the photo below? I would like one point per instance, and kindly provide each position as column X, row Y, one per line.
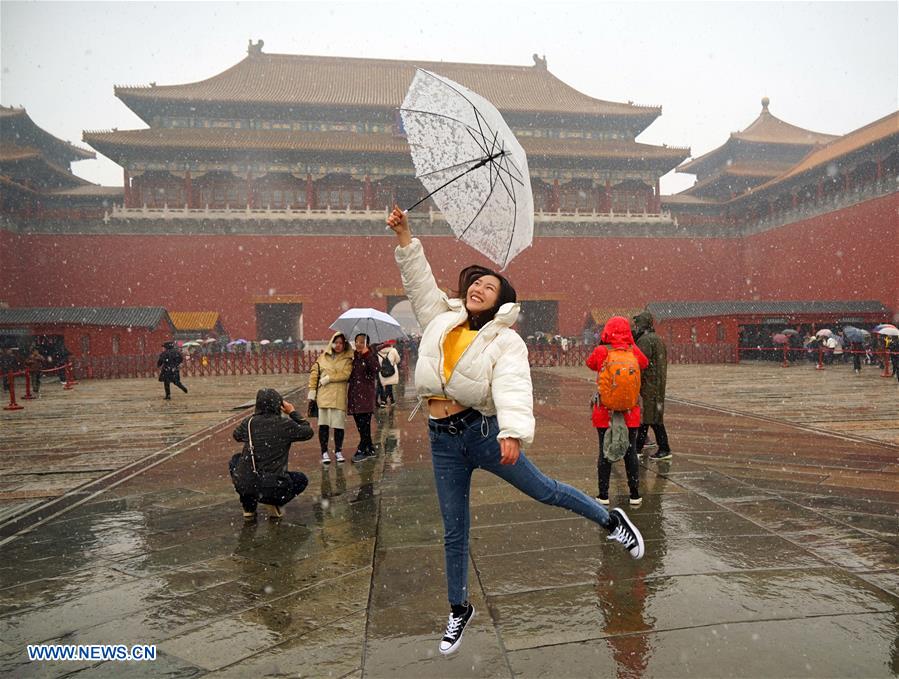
column 279, row 321
column 538, row 316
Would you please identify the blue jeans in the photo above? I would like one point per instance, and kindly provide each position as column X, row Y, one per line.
column 455, row 456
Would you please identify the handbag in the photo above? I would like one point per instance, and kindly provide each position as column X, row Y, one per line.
column 313, row 409
column 269, row 488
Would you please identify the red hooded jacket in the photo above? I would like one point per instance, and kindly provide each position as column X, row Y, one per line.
column 617, row 333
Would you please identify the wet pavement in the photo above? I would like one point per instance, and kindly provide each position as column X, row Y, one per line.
column 771, row 551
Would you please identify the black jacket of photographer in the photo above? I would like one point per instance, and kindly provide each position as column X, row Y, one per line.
column 272, row 436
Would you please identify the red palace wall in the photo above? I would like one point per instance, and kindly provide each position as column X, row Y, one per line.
column 848, row 255
column 852, row 254
column 225, row 273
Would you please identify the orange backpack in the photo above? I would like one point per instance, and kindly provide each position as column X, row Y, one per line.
column 619, row 380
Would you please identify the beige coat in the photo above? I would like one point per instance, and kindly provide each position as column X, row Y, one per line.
column 338, row 368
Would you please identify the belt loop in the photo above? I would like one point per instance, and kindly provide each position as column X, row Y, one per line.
column 485, row 426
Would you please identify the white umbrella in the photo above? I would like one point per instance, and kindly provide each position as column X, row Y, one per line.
column 824, row 332
column 379, row 326
column 472, row 164
column 264, row 342
column 889, row 330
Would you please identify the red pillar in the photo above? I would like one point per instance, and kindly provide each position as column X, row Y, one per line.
column 658, row 204
column 819, row 189
column 879, row 170
column 556, row 202
column 607, row 197
column 847, row 182
column 310, row 193
column 129, row 200
column 367, row 193
column 795, row 198
column 251, row 192
column 188, row 190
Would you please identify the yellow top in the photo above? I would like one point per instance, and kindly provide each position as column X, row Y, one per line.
column 457, row 341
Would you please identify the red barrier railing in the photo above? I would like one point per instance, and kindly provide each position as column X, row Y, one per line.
column 10, row 379
column 820, row 353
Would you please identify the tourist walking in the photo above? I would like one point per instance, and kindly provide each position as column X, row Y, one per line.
column 388, row 360
column 361, row 395
column 653, row 381
column 473, row 374
column 616, row 340
column 328, row 394
column 259, row 472
column 169, row 364
column 35, row 363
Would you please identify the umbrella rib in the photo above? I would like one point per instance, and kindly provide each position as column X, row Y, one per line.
column 450, row 167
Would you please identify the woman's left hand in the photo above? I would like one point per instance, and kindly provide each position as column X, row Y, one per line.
column 509, row 450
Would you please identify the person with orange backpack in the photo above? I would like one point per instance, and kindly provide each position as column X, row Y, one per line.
column 618, row 363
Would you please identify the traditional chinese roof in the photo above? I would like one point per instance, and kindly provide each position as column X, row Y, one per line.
column 662, row 311
column 194, row 320
column 115, row 144
column 765, row 130
column 601, row 315
column 31, row 166
column 884, row 131
column 873, row 133
column 131, row 317
column 318, row 81
column 736, row 177
column 17, row 127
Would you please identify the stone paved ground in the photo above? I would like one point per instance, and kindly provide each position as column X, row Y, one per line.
column 771, row 551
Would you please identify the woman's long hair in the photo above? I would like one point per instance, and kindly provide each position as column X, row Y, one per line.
column 469, row 275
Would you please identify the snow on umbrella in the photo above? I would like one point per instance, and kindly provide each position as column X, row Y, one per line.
column 879, row 327
column 824, row 332
column 891, row 330
column 472, row 165
column 378, row 325
column 780, row 338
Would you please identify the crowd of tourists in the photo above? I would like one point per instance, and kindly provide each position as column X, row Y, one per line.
column 37, row 359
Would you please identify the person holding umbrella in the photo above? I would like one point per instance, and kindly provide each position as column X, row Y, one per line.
column 328, row 393
column 473, row 373
column 361, row 394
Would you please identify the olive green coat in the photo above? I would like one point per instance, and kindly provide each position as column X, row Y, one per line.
column 654, row 378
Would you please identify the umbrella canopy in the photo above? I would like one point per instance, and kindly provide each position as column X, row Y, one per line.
column 892, row 331
column 379, row 326
column 789, row 331
column 780, row 338
column 475, row 169
column 824, row 332
column 209, row 340
column 264, row 342
column 853, row 334
column 879, row 327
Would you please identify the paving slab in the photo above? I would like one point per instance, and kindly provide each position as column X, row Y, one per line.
column 770, row 551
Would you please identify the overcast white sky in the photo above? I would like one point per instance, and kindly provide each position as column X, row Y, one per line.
column 828, row 66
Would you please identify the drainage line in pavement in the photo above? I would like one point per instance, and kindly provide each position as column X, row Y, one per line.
column 34, row 516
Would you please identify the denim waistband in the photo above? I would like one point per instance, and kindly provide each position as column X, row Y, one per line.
column 455, row 424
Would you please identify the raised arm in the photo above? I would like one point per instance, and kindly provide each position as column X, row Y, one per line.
column 418, row 281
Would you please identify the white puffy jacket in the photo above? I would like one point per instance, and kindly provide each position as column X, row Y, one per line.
column 492, row 376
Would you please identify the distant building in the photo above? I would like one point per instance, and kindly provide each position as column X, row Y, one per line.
column 260, row 193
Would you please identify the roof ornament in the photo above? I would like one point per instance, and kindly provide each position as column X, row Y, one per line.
column 765, row 102
column 255, row 48
column 539, row 62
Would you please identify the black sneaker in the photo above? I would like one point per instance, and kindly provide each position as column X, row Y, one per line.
column 661, row 455
column 627, row 534
column 455, row 626
column 363, row 455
